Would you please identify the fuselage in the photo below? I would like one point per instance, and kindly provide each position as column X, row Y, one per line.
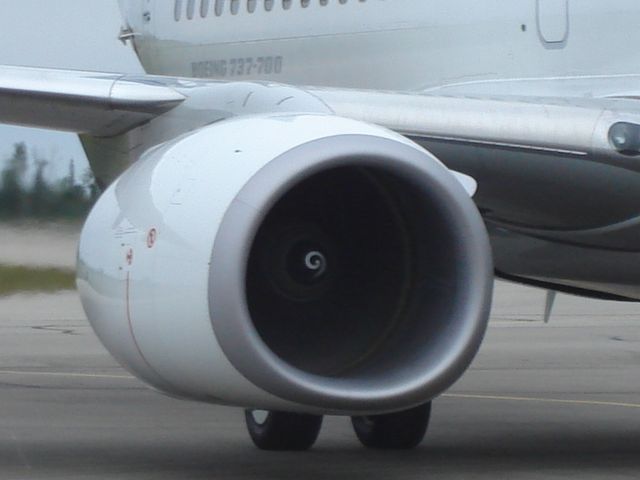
column 383, row 44
column 547, row 227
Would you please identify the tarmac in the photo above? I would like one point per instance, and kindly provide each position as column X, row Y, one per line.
column 541, row 401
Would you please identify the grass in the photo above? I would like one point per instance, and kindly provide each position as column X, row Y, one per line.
column 19, row 279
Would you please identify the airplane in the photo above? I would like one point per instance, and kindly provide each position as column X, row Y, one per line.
column 306, row 202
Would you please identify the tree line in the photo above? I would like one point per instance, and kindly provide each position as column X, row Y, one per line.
column 22, row 197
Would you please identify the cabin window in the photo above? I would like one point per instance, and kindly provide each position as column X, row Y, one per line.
column 342, row 2
column 268, row 5
column 324, row 2
column 235, row 7
column 219, row 7
column 191, row 9
column 286, row 4
column 204, row 8
column 177, row 12
column 304, row 3
column 251, row 5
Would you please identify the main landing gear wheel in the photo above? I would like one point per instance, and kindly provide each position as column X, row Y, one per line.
column 394, row 431
column 279, row 431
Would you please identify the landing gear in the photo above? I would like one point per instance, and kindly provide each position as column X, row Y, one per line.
column 277, row 431
column 394, row 431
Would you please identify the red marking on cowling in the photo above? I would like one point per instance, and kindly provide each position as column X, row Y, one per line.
column 152, row 237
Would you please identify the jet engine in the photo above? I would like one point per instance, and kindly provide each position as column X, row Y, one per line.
column 294, row 262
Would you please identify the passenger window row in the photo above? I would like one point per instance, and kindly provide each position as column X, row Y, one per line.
column 234, row 6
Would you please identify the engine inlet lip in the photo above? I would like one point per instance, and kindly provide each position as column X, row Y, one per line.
column 228, row 308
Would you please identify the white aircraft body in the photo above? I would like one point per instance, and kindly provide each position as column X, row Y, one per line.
column 306, row 201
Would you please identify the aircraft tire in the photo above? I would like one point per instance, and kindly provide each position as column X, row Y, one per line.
column 282, row 431
column 395, row 431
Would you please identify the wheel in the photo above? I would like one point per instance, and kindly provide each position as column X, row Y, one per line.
column 281, row 430
column 394, row 431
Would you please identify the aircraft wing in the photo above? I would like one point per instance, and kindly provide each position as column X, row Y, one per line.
column 106, row 104
column 603, row 129
column 99, row 104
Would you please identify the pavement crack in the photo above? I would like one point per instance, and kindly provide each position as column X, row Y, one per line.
column 54, row 328
column 83, row 388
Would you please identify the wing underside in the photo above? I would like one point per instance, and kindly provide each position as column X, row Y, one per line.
column 558, row 178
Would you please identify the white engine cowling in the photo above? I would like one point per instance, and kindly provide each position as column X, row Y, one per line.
column 289, row 262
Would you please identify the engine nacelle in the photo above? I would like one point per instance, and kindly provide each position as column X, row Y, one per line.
column 289, row 262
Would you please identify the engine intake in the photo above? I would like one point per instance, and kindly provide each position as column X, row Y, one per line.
column 351, row 273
